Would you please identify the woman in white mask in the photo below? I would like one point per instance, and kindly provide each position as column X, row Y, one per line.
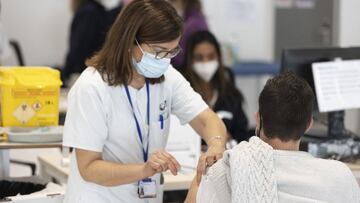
column 205, row 71
column 118, row 110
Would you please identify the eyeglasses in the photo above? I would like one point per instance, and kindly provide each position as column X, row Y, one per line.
column 161, row 53
column 165, row 54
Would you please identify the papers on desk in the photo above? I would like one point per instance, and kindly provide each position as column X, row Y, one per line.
column 184, row 144
column 337, row 85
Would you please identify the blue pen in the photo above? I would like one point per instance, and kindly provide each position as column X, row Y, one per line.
column 161, row 121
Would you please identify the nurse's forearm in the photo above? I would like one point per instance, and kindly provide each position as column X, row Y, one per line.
column 113, row 174
column 93, row 169
column 210, row 127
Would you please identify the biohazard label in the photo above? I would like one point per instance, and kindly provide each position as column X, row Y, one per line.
column 37, row 106
column 24, row 113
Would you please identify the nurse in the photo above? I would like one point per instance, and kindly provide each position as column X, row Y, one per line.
column 119, row 110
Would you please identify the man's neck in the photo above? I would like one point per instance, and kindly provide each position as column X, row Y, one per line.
column 277, row 144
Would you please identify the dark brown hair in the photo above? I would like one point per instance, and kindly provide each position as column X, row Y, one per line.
column 76, row 4
column 191, row 5
column 285, row 107
column 148, row 21
column 222, row 79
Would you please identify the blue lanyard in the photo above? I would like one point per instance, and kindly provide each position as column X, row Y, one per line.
column 145, row 151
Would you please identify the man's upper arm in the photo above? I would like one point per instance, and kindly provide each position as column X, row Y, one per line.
column 206, row 192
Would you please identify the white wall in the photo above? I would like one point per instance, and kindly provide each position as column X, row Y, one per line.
column 247, row 26
column 41, row 27
column 349, row 35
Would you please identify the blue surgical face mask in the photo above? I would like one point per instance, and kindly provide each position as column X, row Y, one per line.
column 149, row 66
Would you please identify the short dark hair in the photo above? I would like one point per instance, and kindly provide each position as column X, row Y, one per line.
column 285, row 107
column 147, row 21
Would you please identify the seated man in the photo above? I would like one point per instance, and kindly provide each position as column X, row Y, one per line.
column 270, row 167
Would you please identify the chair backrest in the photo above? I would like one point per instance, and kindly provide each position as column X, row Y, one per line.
column 17, row 49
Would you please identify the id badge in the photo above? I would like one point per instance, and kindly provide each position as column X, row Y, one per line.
column 147, row 188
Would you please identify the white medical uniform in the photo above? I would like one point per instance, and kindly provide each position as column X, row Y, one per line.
column 100, row 119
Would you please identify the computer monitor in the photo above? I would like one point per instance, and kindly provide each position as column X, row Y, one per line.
column 299, row 61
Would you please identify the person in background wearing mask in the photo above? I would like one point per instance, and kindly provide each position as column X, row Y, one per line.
column 194, row 20
column 206, row 73
column 92, row 19
column 118, row 116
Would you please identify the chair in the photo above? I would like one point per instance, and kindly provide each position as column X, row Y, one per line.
column 17, row 49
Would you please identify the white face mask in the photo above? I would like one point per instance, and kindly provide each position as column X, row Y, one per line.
column 109, row 4
column 207, row 70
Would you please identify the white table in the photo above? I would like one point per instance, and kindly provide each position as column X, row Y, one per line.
column 6, row 146
column 50, row 166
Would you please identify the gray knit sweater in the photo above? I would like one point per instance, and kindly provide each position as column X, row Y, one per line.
column 246, row 174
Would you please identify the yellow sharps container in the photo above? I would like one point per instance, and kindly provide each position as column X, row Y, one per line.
column 29, row 96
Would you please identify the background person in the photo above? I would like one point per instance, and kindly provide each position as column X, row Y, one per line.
column 92, row 19
column 208, row 76
column 194, row 20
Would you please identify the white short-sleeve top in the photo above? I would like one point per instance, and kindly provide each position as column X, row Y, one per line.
column 100, row 119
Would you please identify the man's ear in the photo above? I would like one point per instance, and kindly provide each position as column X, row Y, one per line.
column 310, row 125
column 257, row 119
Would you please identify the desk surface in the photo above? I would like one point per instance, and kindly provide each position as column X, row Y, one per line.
column 354, row 166
column 171, row 183
column 15, row 145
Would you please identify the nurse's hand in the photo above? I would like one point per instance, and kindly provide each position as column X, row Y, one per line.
column 214, row 153
column 159, row 162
